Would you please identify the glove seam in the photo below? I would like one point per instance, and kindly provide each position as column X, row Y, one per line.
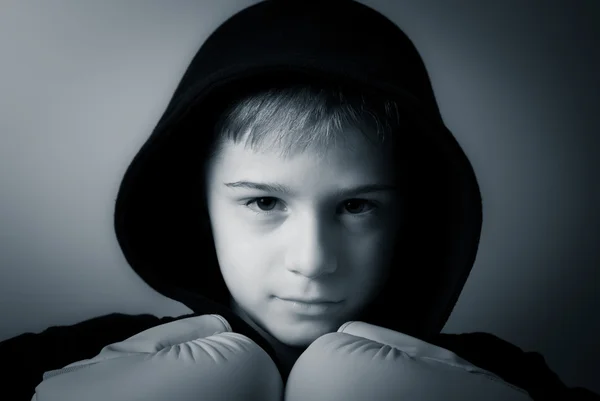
column 344, row 327
column 477, row 370
column 223, row 321
column 68, row 369
column 57, row 372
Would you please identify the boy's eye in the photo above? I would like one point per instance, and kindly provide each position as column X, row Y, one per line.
column 357, row 206
column 266, row 204
column 263, row 205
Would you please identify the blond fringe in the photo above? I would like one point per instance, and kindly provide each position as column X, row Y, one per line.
column 296, row 118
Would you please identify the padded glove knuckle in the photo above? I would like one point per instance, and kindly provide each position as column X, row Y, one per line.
column 222, row 366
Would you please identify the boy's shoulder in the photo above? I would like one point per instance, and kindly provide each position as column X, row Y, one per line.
column 526, row 370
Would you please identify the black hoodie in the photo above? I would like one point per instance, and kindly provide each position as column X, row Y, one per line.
column 164, row 232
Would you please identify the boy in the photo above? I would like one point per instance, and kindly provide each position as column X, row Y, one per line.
column 300, row 179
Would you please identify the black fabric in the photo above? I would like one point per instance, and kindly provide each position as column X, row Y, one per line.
column 526, row 370
column 26, row 357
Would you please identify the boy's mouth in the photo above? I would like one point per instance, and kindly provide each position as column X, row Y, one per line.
column 312, row 307
column 309, row 300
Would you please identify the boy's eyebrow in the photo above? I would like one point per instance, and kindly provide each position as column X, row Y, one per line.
column 283, row 189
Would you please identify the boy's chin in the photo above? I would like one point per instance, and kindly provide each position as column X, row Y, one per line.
column 301, row 335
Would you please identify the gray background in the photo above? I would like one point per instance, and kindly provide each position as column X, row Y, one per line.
column 82, row 83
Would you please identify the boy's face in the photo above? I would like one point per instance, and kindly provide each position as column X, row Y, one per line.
column 311, row 237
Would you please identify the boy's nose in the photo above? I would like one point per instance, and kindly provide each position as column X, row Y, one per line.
column 312, row 250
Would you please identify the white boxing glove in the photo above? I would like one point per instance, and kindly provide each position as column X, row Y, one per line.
column 192, row 359
column 366, row 362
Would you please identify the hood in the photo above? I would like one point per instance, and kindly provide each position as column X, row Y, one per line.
column 160, row 218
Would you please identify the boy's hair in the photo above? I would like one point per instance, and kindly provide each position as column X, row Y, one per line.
column 293, row 118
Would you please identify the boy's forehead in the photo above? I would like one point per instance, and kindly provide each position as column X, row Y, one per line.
column 354, row 157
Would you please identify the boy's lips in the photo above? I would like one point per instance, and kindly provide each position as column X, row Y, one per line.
column 309, row 300
column 309, row 306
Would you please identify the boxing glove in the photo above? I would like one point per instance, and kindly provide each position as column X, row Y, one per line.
column 197, row 358
column 366, row 362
